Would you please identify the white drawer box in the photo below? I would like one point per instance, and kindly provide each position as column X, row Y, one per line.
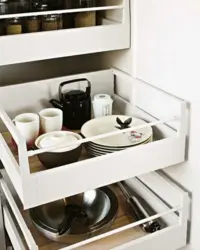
column 166, row 113
column 163, row 195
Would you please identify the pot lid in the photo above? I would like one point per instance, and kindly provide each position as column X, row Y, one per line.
column 102, row 97
column 75, row 95
column 61, row 138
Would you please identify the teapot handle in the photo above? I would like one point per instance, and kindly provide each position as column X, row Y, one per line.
column 88, row 88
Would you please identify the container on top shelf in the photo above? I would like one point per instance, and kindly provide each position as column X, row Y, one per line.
column 85, row 19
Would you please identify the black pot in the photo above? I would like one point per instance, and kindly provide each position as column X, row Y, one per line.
column 57, row 159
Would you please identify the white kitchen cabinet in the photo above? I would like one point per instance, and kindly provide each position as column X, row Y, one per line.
column 138, row 91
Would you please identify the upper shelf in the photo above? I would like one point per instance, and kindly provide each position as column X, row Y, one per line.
column 34, row 186
column 112, row 32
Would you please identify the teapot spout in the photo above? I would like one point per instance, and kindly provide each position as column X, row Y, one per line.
column 56, row 104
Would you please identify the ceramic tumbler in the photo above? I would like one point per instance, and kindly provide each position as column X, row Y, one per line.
column 51, row 119
column 28, row 125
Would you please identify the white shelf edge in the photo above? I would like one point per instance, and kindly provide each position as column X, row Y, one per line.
column 97, row 137
column 120, row 230
column 117, row 37
column 12, row 230
column 26, row 232
column 64, row 11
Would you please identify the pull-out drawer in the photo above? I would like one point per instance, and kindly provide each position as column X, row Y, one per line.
column 165, row 113
column 169, row 202
column 112, row 32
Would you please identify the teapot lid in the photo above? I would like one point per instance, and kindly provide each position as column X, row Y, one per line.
column 74, row 95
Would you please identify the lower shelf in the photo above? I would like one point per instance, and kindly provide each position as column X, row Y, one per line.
column 125, row 234
column 124, row 218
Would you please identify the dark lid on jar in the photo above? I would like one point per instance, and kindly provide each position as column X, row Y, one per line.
column 75, row 95
column 14, row 20
column 32, row 17
column 41, row 7
column 52, row 17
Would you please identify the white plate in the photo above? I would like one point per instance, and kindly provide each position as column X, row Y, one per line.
column 108, row 124
column 104, row 148
column 98, row 152
column 110, row 150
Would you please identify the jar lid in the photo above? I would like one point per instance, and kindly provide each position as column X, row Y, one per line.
column 52, row 17
column 3, row 1
column 60, row 138
column 14, row 19
column 41, row 7
column 33, row 18
column 103, row 98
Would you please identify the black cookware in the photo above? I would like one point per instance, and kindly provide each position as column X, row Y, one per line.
column 76, row 104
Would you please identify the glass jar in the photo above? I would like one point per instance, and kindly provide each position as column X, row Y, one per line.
column 4, row 7
column 49, row 22
column 43, row 7
column 35, row 4
column 14, row 26
column 86, row 19
column 59, row 21
column 67, row 4
column 24, row 6
column 56, row 4
column 2, row 28
column 19, row 6
column 38, row 6
column 68, row 21
column 84, row 3
column 13, row 7
column 33, row 24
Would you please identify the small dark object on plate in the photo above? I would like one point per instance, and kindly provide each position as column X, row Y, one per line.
column 125, row 124
column 154, row 227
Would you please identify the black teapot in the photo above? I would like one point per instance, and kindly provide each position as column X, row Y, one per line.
column 75, row 104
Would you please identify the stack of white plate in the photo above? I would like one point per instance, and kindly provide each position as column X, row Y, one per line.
column 114, row 143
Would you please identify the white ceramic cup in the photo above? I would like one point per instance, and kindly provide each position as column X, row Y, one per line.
column 102, row 105
column 51, row 119
column 28, row 125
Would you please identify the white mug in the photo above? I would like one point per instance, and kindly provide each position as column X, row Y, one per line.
column 102, row 105
column 28, row 125
column 51, row 119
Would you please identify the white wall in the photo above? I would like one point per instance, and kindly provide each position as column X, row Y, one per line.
column 165, row 52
